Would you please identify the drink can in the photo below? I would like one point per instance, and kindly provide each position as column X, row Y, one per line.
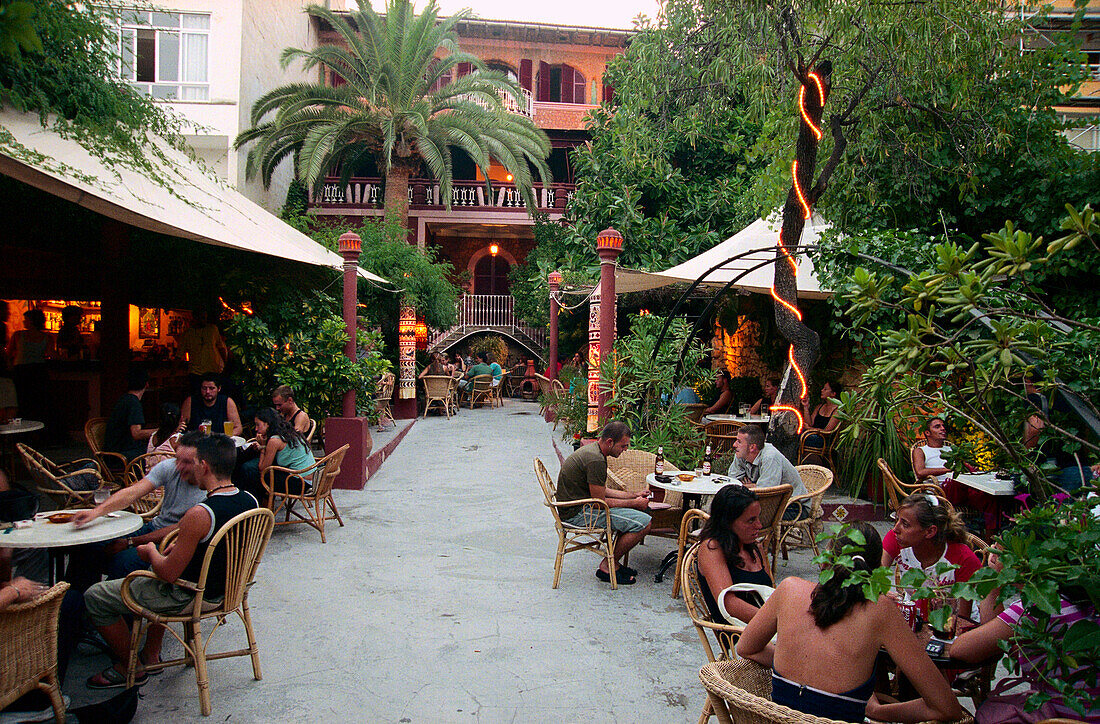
column 909, row 612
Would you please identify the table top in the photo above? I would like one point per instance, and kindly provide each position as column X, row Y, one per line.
column 704, row 485
column 743, row 419
column 17, row 428
column 987, row 483
column 44, row 534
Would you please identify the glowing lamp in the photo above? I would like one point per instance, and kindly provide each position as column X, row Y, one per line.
column 509, row 178
column 350, row 242
column 554, row 280
column 609, row 239
column 421, row 335
column 494, row 249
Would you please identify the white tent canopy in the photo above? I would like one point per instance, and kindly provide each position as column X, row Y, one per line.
column 212, row 213
column 753, row 245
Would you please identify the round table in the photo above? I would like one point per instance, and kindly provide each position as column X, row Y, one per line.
column 44, row 534
column 693, row 492
column 16, row 428
column 742, row 419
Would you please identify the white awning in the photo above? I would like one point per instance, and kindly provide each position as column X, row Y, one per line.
column 212, row 213
column 753, row 246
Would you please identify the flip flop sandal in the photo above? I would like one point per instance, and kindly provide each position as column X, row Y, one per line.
column 628, row 570
column 621, row 577
column 109, row 678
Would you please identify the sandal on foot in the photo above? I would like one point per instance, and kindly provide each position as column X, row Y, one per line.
column 628, row 570
column 621, row 577
column 109, row 678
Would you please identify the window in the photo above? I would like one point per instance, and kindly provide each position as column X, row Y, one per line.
column 165, row 54
column 559, row 84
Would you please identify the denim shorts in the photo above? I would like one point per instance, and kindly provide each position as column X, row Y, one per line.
column 623, row 520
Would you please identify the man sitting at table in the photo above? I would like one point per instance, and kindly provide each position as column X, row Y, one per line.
column 481, row 368
column 584, row 475
column 119, row 557
column 496, row 371
column 760, row 464
column 282, row 399
column 214, row 458
column 211, row 406
column 124, row 432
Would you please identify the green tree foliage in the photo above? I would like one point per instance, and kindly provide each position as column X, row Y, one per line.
column 389, row 109
column 70, row 79
column 298, row 340
column 17, row 33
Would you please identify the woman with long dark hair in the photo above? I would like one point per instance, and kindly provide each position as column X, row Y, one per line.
column 828, row 636
column 163, row 441
column 729, row 555
column 282, row 446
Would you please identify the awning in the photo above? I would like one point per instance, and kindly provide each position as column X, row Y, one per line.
column 212, row 213
column 753, row 246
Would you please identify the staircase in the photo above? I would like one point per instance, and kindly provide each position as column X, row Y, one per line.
column 489, row 313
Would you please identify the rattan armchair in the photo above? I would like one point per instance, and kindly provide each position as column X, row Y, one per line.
column 242, row 541
column 690, row 525
column 773, row 501
column 807, row 446
column 382, row 404
column 28, row 649
column 54, row 480
column 112, row 465
column 721, row 437
column 437, row 390
column 628, row 472
column 498, row 391
column 803, row 533
column 480, row 389
column 147, row 506
column 315, row 497
column 599, row 540
column 896, row 490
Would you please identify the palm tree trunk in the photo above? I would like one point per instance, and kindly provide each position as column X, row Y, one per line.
column 397, row 196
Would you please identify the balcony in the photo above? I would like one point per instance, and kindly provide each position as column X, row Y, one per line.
column 366, row 193
column 489, row 313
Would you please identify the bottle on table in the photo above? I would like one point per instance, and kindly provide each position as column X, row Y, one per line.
column 659, row 464
column 707, row 461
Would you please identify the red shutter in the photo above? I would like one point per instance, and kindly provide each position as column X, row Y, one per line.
column 544, row 82
column 608, row 93
column 464, row 69
column 567, row 83
column 525, row 73
column 337, row 80
column 578, row 87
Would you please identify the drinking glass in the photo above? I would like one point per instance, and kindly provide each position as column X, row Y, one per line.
column 227, row 426
column 743, row 409
column 765, row 410
column 205, row 426
column 101, row 494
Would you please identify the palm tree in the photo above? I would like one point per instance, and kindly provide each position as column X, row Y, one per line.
column 396, row 105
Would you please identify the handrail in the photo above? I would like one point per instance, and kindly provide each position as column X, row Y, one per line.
column 368, row 192
column 489, row 311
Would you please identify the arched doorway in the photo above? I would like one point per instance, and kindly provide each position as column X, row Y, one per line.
column 491, row 275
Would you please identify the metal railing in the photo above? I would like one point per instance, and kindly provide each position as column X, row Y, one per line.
column 367, row 192
column 526, row 107
column 484, row 311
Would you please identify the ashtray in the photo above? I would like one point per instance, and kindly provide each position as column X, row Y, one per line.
column 686, row 477
column 61, row 517
column 662, row 479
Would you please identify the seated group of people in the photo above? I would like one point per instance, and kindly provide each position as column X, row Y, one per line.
column 439, row 365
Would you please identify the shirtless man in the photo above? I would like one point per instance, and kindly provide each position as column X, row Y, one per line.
column 282, row 399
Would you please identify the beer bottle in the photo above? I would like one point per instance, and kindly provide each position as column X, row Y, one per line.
column 706, row 461
column 659, row 464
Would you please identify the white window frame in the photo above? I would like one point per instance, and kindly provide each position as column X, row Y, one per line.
column 161, row 89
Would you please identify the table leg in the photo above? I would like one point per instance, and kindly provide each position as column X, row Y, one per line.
column 690, row 501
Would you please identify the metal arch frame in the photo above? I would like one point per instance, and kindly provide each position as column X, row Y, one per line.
column 495, row 330
column 793, row 249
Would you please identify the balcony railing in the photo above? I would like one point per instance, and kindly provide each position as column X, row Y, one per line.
column 423, row 193
column 485, row 312
column 524, row 108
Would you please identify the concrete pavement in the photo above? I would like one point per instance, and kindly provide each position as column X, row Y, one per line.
column 433, row 604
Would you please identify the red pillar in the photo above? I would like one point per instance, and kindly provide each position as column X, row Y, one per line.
column 349, row 429
column 554, row 280
column 609, row 244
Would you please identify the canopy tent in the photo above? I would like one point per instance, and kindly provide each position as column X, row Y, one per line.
column 753, row 246
column 197, row 207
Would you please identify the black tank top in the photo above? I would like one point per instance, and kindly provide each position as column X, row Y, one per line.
column 222, row 508
column 737, row 575
column 217, row 414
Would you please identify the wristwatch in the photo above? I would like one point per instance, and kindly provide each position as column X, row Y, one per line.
column 129, row 542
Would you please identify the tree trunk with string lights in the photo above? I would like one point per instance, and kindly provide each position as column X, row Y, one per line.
column 804, row 342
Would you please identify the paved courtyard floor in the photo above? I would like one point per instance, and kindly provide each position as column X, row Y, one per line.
column 433, row 604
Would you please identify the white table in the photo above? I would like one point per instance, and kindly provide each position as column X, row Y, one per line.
column 44, row 534
column 743, row 419
column 693, row 491
column 986, row 483
column 16, row 428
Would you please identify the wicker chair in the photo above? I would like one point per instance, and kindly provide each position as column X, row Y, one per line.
column 721, row 437
column 498, row 392
column 628, row 472
column 315, row 497
column 382, row 404
column 690, row 525
column 803, row 533
column 242, row 540
column 572, row 538
column 896, row 490
column 480, row 389
column 546, row 389
column 694, row 411
column 437, row 390
column 112, row 465
column 53, row 480
column 725, row 635
column 740, row 692
column 824, row 450
column 311, row 432
column 28, row 649
column 148, row 506
column 773, row 501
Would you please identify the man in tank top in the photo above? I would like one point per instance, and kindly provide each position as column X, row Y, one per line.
column 212, row 406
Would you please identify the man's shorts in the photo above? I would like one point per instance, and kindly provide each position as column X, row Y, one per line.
column 623, row 520
column 104, row 600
